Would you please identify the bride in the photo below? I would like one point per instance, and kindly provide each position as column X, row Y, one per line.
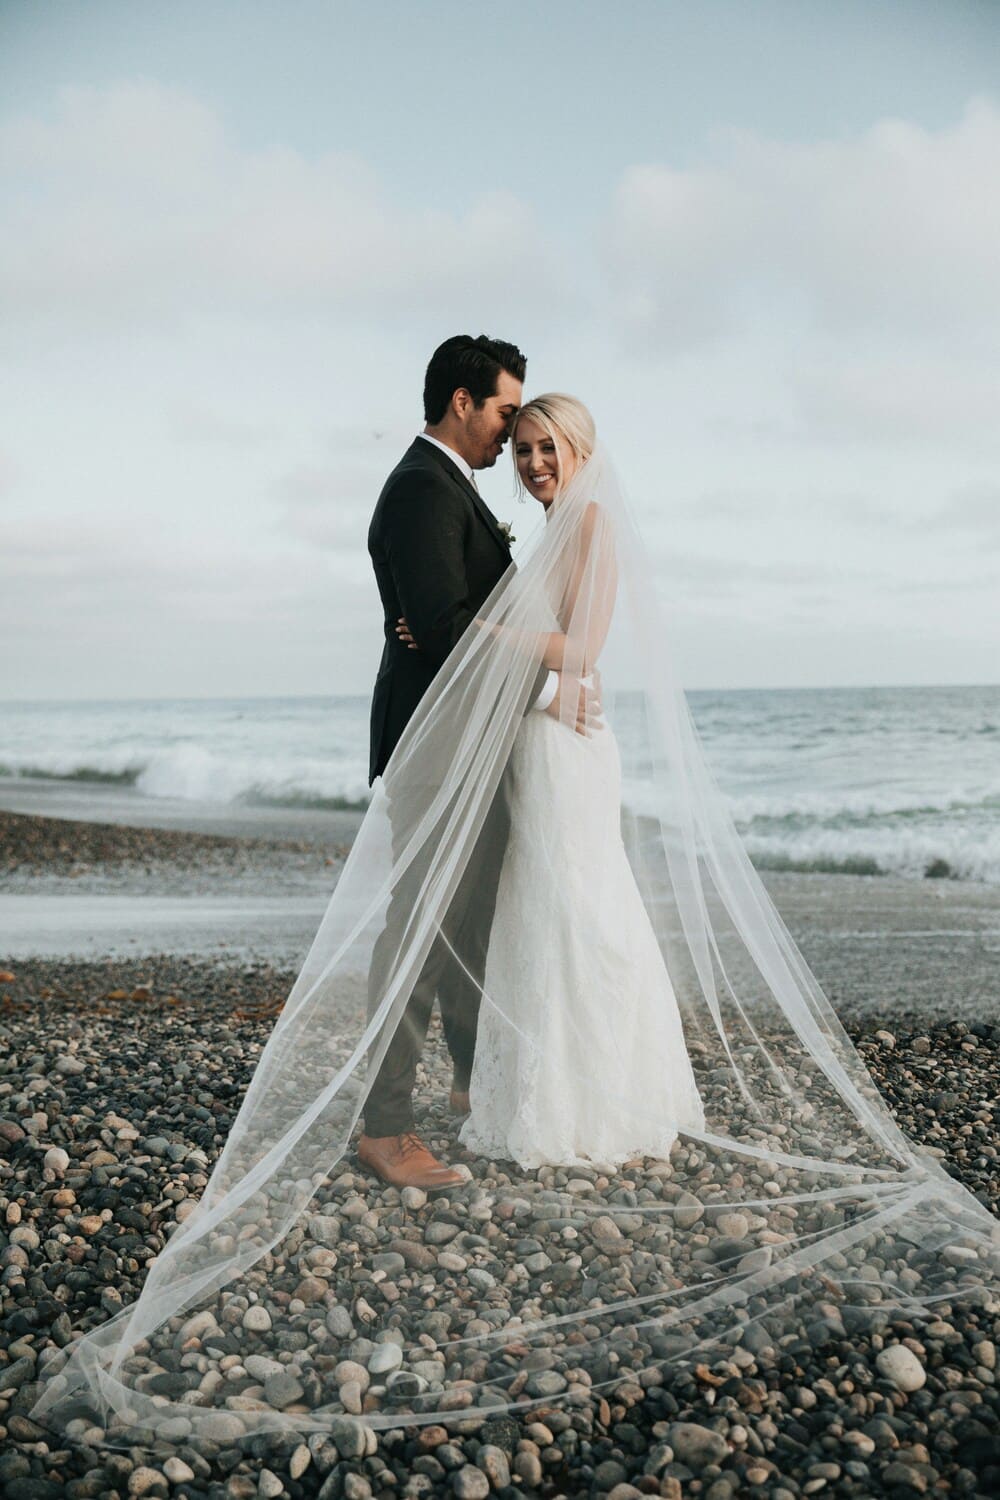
column 577, row 1001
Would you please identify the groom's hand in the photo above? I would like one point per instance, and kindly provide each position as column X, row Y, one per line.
column 582, row 699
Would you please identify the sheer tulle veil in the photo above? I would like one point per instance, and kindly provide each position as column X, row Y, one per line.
column 800, row 1195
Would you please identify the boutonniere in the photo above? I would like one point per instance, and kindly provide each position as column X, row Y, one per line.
column 504, row 528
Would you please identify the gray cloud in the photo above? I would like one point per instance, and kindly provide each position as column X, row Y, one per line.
column 893, row 233
column 134, row 206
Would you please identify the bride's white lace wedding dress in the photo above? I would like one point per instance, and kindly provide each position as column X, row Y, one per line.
column 580, row 1055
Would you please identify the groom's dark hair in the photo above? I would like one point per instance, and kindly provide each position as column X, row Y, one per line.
column 465, row 363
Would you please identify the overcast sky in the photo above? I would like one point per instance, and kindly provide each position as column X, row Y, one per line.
column 760, row 240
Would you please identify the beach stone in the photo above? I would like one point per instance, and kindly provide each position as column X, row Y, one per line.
column 413, row 1198
column 177, row 1471
column 688, row 1210
column 311, row 1289
column 324, row 1229
column 899, row 1475
column 352, row 1396
column 260, row 1367
column 390, row 1262
column 282, row 1390
column 439, row 1232
column 901, row 1367
column 56, row 1160
column 986, row 1354
column 348, row 1437
column 697, row 1446
column 70, row 1065
column 545, row 1383
column 384, row 1358
column 470, row 1483
column 494, row 1464
column 356, row 1487
column 405, row 1384
column 450, row 1260
column 528, row 1467
column 256, row 1319
column 415, row 1256
column 609, row 1473
column 146, row 1481
column 299, row 1461
column 733, row 1225
column 269, row 1485
column 220, row 1427
column 338, row 1321
column 859, row 1442
column 15, row 1374
column 657, row 1458
column 351, row 1369
column 959, row 1255
column 201, row 1323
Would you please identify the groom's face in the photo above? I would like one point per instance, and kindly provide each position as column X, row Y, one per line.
column 487, row 427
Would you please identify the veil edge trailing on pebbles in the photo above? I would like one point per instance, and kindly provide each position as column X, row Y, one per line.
column 818, row 1193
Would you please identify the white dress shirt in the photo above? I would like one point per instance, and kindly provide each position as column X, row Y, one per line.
column 551, row 686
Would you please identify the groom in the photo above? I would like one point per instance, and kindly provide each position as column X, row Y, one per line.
column 438, row 553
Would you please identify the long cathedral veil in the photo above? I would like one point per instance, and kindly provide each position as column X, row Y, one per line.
column 799, row 1205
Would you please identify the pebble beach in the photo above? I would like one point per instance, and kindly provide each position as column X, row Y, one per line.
column 120, row 1076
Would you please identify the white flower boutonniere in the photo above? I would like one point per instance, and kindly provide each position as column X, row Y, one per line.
column 504, row 528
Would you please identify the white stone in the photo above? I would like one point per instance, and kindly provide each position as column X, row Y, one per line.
column 177, row 1471
column 257, row 1319
column 385, row 1357
column 901, row 1367
column 299, row 1461
column 201, row 1323
column 56, row 1160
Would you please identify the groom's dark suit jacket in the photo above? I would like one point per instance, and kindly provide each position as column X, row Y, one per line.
column 438, row 553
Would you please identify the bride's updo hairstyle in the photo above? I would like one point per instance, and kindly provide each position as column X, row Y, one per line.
column 562, row 417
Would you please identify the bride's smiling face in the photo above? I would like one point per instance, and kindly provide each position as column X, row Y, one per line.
column 545, row 464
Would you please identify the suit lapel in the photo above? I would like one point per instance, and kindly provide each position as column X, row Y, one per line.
column 427, row 450
column 484, row 511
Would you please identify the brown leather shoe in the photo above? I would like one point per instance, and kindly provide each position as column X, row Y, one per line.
column 405, row 1161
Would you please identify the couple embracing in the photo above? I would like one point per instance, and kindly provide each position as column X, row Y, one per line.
column 559, row 1014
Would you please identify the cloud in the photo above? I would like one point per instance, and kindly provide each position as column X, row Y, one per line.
column 132, row 204
column 894, row 234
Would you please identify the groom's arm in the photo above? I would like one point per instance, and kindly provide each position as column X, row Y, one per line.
column 424, row 540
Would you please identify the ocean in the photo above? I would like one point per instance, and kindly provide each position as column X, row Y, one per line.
column 880, row 780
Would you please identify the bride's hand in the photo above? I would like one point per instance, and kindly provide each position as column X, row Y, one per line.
column 587, row 704
column 403, row 632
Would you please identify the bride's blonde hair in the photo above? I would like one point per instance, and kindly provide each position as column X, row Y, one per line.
column 561, row 416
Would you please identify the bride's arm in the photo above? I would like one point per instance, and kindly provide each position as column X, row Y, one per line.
column 587, row 605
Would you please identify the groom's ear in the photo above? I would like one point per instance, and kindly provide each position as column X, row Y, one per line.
column 461, row 402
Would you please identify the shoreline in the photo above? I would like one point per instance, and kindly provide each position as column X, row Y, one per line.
column 119, row 888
